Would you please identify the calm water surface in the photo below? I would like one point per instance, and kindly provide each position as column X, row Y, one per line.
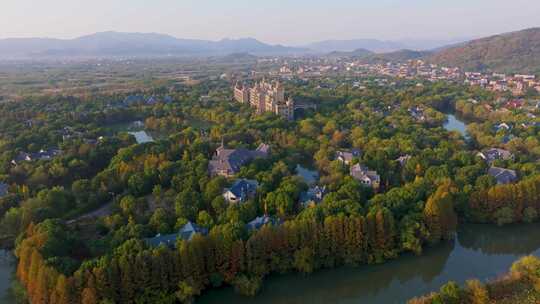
column 455, row 124
column 7, row 266
column 478, row 251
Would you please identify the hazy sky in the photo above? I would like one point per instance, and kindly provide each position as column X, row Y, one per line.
column 275, row 21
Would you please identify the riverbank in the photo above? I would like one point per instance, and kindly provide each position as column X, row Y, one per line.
column 519, row 285
column 481, row 251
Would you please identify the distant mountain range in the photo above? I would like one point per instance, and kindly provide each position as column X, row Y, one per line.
column 378, row 46
column 107, row 44
column 359, row 53
column 110, row 44
column 510, row 52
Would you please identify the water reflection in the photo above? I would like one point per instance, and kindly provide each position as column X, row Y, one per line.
column 7, row 266
column 478, row 251
column 515, row 240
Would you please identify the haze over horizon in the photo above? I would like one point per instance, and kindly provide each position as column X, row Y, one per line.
column 277, row 22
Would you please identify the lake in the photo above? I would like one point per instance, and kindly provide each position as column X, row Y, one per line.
column 7, row 267
column 479, row 251
column 455, row 124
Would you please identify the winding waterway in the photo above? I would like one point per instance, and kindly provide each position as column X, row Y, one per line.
column 478, row 251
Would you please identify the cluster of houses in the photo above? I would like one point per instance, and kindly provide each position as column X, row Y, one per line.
column 517, row 84
column 501, row 175
column 190, row 230
column 359, row 172
column 417, row 113
column 227, row 162
column 68, row 133
column 41, row 155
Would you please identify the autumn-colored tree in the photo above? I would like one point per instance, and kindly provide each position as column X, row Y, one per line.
column 439, row 214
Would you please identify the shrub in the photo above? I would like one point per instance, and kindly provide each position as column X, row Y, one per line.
column 247, row 286
column 450, row 293
column 504, row 216
column 530, row 215
column 477, row 292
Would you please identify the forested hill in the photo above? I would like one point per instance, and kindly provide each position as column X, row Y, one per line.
column 516, row 52
column 397, row 56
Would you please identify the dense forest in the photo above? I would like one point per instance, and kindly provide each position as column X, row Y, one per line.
column 80, row 220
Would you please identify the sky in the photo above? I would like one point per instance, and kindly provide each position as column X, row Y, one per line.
column 291, row 22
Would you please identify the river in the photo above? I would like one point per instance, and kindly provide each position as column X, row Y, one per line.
column 479, row 251
column 7, row 266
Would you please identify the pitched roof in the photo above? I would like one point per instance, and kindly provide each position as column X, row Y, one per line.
column 190, row 229
column 345, row 156
column 313, row 194
column 496, row 153
column 502, row 175
column 243, row 187
column 359, row 171
column 186, row 233
column 231, row 160
column 260, row 221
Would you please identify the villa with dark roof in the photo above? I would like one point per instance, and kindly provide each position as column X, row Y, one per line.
column 493, row 154
column 260, row 222
column 227, row 162
column 502, row 175
column 312, row 196
column 185, row 233
column 241, row 191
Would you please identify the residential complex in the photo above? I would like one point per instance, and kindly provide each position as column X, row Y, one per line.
column 266, row 97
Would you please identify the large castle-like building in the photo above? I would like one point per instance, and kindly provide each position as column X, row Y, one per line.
column 266, row 97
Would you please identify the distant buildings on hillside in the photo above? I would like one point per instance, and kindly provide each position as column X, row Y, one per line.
column 265, row 97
